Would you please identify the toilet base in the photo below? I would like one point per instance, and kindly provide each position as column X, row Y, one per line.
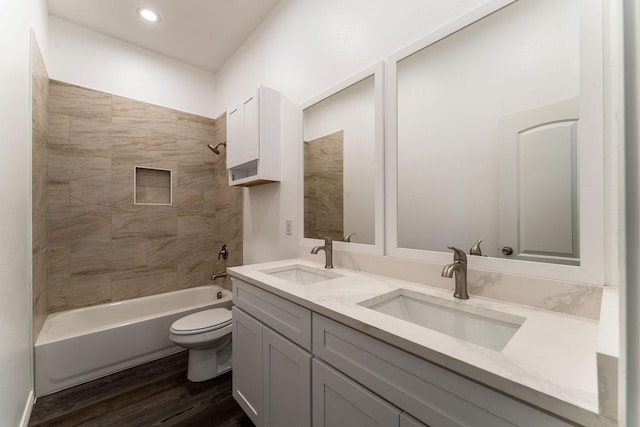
column 207, row 364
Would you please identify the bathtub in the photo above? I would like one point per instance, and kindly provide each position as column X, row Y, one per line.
column 80, row 345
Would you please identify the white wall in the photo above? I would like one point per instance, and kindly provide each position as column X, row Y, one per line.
column 16, row 20
column 303, row 48
column 86, row 58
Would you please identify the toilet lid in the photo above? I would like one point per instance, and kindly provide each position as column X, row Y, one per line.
column 203, row 321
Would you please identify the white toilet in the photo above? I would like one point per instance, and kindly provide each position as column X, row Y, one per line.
column 207, row 336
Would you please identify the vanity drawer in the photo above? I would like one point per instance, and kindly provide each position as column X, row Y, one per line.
column 286, row 318
column 432, row 394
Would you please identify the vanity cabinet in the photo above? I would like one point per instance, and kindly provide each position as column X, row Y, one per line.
column 256, row 128
column 428, row 392
column 338, row 401
column 247, row 364
column 271, row 374
column 292, row 366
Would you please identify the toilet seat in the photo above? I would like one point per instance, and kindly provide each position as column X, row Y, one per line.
column 202, row 322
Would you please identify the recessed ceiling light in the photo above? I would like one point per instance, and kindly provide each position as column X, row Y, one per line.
column 148, row 14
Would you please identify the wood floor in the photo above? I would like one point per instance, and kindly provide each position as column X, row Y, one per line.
column 154, row 394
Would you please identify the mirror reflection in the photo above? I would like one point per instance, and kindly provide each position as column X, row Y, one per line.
column 488, row 133
column 339, row 154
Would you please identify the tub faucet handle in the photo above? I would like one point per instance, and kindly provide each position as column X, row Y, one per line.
column 224, row 252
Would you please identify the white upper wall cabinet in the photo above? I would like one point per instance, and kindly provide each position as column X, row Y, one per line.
column 255, row 128
column 243, row 134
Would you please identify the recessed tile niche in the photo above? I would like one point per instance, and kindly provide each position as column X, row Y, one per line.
column 152, row 186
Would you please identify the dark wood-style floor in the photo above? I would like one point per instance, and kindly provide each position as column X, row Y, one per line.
column 154, row 394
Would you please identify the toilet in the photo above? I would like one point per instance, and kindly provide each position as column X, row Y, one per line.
column 207, row 336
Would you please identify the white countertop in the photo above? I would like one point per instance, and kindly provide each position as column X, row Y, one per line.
column 550, row 362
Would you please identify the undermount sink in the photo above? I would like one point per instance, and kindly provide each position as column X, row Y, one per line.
column 488, row 328
column 301, row 275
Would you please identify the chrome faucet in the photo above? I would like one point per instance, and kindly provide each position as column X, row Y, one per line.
column 459, row 268
column 328, row 251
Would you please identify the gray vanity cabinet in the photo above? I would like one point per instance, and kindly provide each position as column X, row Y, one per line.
column 338, row 401
column 285, row 374
column 247, row 365
column 286, row 382
column 271, row 373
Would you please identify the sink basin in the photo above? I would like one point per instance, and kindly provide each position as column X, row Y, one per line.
column 301, row 275
column 477, row 325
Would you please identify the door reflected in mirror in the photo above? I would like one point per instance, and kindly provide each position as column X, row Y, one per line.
column 487, row 135
column 339, row 165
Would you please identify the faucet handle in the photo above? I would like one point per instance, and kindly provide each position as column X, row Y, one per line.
column 347, row 238
column 476, row 249
column 458, row 255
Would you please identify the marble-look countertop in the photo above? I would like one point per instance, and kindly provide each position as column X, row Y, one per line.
column 550, row 362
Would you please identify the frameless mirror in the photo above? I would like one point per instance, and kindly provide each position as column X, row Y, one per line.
column 341, row 156
column 495, row 125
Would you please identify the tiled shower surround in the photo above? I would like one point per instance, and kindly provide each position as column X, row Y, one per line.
column 40, row 94
column 102, row 247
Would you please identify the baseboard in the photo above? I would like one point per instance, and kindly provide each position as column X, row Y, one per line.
column 24, row 422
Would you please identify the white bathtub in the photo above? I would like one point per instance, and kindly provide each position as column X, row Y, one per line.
column 80, row 345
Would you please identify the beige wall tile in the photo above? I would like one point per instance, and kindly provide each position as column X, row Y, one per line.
column 59, row 126
column 143, row 116
column 68, row 228
column 142, row 282
column 39, row 186
column 89, row 137
column 195, row 262
column 97, row 232
column 58, row 196
column 78, row 291
column 125, row 225
column 188, row 200
column 89, row 257
column 90, row 197
column 79, row 102
column 184, row 151
column 74, row 166
column 57, row 263
column 162, row 252
column 128, row 253
column 196, row 226
column 161, row 225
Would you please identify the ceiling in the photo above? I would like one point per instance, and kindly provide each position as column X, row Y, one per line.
column 202, row 33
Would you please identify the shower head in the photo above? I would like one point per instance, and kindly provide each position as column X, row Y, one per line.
column 215, row 149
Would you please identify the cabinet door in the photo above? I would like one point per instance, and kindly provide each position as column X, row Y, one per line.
column 251, row 130
column 247, row 365
column 287, row 382
column 340, row 402
column 243, row 132
column 234, row 137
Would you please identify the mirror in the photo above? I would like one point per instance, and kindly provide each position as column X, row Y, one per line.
column 342, row 152
column 496, row 134
column 484, row 149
